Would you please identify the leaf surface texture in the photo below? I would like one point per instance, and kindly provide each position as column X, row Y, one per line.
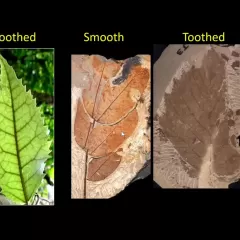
column 106, row 113
column 23, row 138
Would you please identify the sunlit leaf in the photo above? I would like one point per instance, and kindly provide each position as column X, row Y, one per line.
column 51, row 173
column 24, row 145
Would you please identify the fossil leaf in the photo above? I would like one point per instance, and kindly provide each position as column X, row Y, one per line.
column 102, row 140
column 23, row 139
column 197, row 122
column 109, row 101
column 106, row 113
column 100, row 168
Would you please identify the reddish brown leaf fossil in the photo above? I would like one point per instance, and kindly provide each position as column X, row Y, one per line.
column 107, row 114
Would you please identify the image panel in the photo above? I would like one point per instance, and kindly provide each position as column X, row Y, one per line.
column 110, row 123
column 26, row 127
column 197, row 116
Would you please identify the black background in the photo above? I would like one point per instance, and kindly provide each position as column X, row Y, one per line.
column 140, row 188
column 141, row 192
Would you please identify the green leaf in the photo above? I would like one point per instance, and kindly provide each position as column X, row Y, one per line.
column 51, row 173
column 23, row 138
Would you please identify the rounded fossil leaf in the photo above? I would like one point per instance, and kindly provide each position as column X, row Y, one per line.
column 109, row 124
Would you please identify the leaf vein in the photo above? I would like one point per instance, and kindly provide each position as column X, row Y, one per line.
column 6, row 117
column 5, row 104
column 10, row 134
column 33, row 159
column 29, row 142
column 27, row 123
column 33, row 175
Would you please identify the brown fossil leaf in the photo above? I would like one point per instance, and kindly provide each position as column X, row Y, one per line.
column 102, row 139
column 100, row 168
column 191, row 119
column 235, row 54
column 229, row 113
column 233, row 140
column 224, row 57
column 81, row 126
column 236, row 64
column 231, row 123
column 106, row 114
column 108, row 103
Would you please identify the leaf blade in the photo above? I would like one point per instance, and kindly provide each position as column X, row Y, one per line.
column 109, row 108
column 196, row 120
column 108, row 103
column 100, row 168
column 23, row 141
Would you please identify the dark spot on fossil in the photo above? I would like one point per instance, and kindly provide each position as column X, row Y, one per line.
column 233, row 140
column 161, row 134
column 193, row 173
column 224, row 57
column 141, row 99
column 231, row 123
column 238, row 112
column 148, row 122
column 236, row 64
column 149, row 118
column 238, row 138
column 156, row 117
column 235, row 54
column 193, row 67
column 127, row 67
column 229, row 113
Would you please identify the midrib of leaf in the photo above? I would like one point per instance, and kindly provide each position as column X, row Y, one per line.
column 116, row 100
column 16, row 142
column 89, row 131
column 197, row 77
column 92, row 126
column 33, row 158
column 85, row 176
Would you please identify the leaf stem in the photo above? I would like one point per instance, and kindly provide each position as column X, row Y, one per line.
column 16, row 142
column 85, row 176
column 86, row 163
column 89, row 131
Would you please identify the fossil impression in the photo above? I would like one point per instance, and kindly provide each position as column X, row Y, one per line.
column 197, row 123
column 110, row 134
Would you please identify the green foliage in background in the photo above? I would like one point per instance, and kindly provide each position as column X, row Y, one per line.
column 36, row 68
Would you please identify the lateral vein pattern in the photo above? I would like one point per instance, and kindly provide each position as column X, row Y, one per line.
column 24, row 145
